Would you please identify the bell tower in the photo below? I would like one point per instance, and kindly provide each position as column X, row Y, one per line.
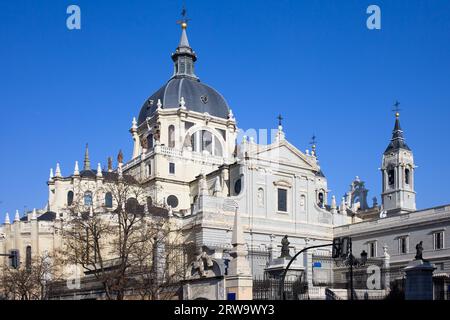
column 397, row 170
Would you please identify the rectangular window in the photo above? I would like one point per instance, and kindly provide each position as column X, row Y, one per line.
column 403, row 245
column 438, row 240
column 282, row 200
column 372, row 249
column 172, row 168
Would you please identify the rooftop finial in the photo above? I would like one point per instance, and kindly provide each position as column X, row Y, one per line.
column 7, row 221
column 34, row 214
column 110, row 164
column 58, row 171
column 87, row 162
column 120, row 157
column 280, row 119
column 99, row 171
column 396, row 109
column 76, row 170
column 184, row 19
column 184, row 66
column 313, row 144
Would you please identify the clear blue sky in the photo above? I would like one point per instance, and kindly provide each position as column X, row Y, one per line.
column 315, row 62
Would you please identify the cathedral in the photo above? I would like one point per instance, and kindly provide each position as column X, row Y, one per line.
column 187, row 157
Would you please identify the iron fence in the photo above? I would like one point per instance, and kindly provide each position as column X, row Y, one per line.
column 266, row 288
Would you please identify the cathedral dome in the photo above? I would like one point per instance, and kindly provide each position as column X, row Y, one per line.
column 198, row 97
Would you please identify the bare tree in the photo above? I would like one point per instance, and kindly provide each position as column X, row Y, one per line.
column 29, row 282
column 117, row 245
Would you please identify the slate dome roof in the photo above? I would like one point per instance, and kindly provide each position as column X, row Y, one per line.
column 184, row 83
column 198, row 96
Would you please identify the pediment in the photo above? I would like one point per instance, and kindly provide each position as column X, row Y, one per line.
column 285, row 153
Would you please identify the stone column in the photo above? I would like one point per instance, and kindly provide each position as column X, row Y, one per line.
column 386, row 267
column 34, row 235
column 239, row 280
column 419, row 280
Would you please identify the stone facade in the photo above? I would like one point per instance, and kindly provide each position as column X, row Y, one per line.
column 190, row 163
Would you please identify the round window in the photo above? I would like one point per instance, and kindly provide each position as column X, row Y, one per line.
column 238, row 186
column 172, row 201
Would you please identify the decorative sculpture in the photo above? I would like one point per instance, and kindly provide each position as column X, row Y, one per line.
column 419, row 251
column 201, row 258
column 120, row 157
column 285, row 248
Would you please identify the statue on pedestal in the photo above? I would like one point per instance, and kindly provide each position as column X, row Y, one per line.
column 419, row 251
column 285, row 248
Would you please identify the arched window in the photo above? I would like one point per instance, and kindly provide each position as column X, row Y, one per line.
column 237, row 186
column 149, row 202
column 69, row 198
column 171, row 141
column 205, row 141
column 320, row 199
column 391, row 177
column 149, row 169
column 88, row 198
column 150, row 141
column 108, row 200
column 407, row 176
column 28, row 258
column 217, row 147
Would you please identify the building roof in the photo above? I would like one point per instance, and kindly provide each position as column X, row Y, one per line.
column 184, row 83
column 107, row 176
column 397, row 140
column 198, row 96
column 48, row 216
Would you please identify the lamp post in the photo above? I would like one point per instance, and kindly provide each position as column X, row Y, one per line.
column 292, row 260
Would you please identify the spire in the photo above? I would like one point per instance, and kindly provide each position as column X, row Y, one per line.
column 76, row 170
column 184, row 57
column 58, row 171
column 343, row 207
column 17, row 216
column 34, row 214
column 51, row 174
column 99, row 171
column 184, row 42
column 87, row 162
column 333, row 205
column 110, row 164
column 397, row 140
column 7, row 219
